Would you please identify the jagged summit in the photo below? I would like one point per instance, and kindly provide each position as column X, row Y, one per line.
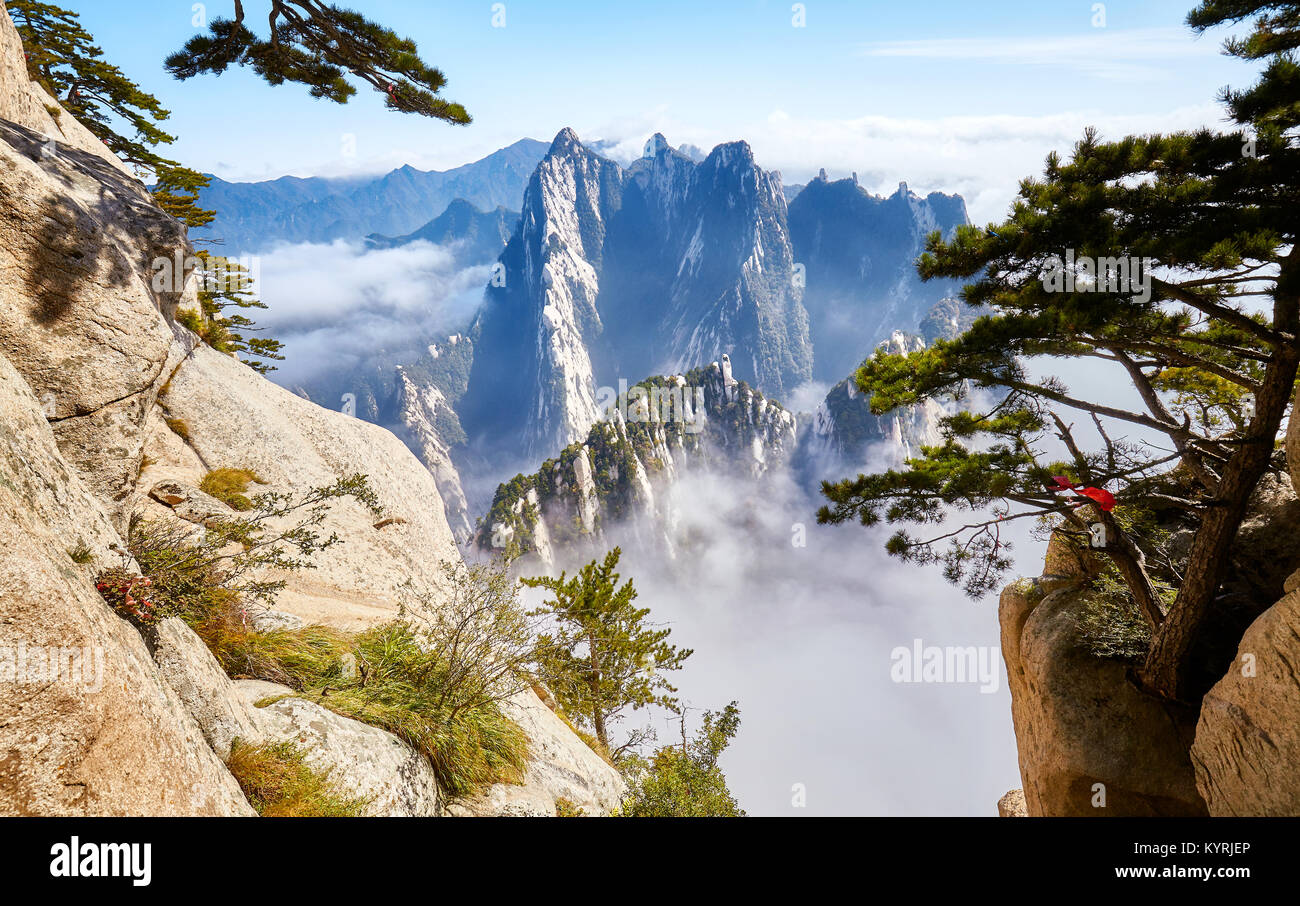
column 731, row 154
column 656, row 145
column 566, row 141
column 666, row 264
column 859, row 251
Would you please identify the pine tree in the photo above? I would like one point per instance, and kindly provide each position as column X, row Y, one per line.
column 62, row 57
column 1206, row 330
column 225, row 284
column 319, row 45
column 602, row 656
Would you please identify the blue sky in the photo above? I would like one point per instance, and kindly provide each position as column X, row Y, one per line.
column 947, row 95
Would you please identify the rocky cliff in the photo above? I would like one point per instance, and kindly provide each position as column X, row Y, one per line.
column 1248, row 736
column 651, row 435
column 613, row 274
column 1091, row 743
column 111, row 411
column 858, row 253
column 845, row 434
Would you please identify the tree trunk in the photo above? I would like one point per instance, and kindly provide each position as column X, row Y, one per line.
column 1167, row 671
column 1131, row 563
column 597, row 707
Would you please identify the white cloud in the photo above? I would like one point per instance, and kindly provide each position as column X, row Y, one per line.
column 1128, row 56
column 983, row 158
column 801, row 637
column 335, row 304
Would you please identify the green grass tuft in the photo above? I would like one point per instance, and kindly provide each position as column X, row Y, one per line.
column 400, row 689
column 229, row 486
column 280, row 784
column 81, row 555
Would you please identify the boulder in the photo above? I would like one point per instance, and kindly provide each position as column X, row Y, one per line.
column 1090, row 743
column 235, row 418
column 89, row 728
column 190, row 504
column 273, row 620
column 1012, row 805
column 561, row 766
column 362, row 760
column 506, row 801
column 1247, row 742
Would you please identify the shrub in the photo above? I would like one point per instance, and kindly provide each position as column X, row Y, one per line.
column 435, row 678
column 685, row 781
column 129, row 595
column 1110, row 623
column 212, row 578
column 229, row 486
column 411, row 691
column 192, row 321
column 280, row 784
column 566, row 809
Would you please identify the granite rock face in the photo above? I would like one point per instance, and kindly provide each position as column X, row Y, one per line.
column 89, row 727
column 1090, row 742
column 1012, row 805
column 235, row 418
column 1248, row 737
column 109, row 410
column 561, row 767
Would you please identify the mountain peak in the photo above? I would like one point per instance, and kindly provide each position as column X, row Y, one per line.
column 733, row 154
column 566, row 141
column 656, row 144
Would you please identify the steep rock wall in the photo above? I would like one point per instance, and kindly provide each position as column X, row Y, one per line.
column 87, row 726
column 92, row 370
column 1248, row 738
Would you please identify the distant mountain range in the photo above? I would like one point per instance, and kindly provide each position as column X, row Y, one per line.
column 676, row 262
column 479, row 236
column 620, row 273
column 252, row 217
column 859, row 253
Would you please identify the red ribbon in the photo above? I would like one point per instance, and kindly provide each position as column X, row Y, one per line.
column 1104, row 499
